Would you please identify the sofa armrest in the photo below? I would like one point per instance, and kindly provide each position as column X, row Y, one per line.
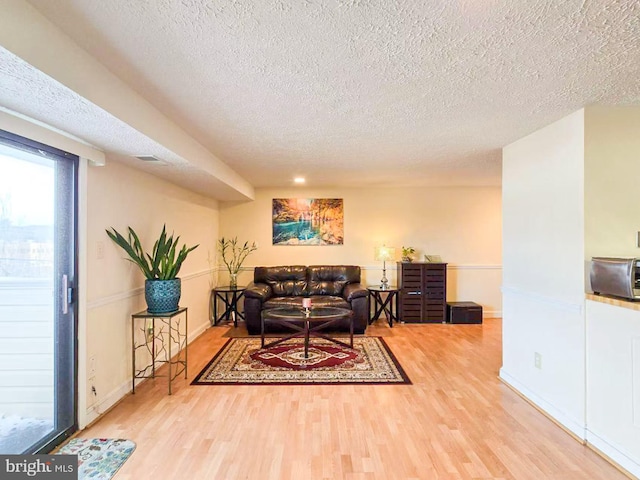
column 260, row 291
column 354, row 290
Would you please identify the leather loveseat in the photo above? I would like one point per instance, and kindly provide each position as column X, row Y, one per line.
column 286, row 286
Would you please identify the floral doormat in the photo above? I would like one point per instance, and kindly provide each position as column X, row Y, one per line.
column 98, row 458
column 242, row 362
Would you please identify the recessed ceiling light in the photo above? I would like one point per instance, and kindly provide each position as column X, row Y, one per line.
column 299, row 180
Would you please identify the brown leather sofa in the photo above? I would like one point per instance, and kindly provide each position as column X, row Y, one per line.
column 286, row 286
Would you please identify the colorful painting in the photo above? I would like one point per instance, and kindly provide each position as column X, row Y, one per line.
column 308, row 221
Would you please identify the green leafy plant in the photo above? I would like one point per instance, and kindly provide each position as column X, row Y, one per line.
column 229, row 247
column 164, row 261
column 407, row 253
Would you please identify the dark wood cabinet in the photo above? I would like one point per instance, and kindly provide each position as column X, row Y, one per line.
column 423, row 292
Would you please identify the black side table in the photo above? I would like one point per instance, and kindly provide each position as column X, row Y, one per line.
column 385, row 305
column 229, row 297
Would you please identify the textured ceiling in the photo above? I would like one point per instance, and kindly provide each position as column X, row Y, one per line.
column 30, row 92
column 363, row 92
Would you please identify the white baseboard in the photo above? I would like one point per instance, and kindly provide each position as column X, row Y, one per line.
column 614, row 453
column 492, row 314
column 198, row 331
column 97, row 409
column 576, row 428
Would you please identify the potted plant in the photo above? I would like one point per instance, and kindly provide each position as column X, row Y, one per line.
column 162, row 288
column 407, row 254
column 236, row 254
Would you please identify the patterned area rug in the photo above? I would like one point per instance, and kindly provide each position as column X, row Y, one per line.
column 98, row 458
column 241, row 361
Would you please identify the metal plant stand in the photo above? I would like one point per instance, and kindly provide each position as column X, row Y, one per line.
column 160, row 333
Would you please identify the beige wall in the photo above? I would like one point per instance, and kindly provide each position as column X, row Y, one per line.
column 461, row 224
column 118, row 197
column 612, row 175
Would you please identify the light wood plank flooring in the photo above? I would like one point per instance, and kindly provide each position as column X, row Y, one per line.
column 457, row 421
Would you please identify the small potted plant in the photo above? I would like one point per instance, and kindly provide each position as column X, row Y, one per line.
column 408, row 253
column 233, row 255
column 162, row 287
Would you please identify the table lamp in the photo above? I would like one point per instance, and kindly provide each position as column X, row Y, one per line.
column 384, row 253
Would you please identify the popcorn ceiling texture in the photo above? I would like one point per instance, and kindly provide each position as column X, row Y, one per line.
column 26, row 90
column 360, row 92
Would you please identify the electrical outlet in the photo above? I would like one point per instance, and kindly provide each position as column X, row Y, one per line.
column 100, row 250
column 92, row 366
column 537, row 360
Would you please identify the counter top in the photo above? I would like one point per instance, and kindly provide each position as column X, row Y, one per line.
column 616, row 302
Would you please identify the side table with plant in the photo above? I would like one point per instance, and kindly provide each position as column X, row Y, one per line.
column 233, row 255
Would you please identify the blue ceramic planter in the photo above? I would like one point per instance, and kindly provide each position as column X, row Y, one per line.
column 162, row 296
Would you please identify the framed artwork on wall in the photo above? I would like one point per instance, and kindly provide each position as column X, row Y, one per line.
column 308, row 221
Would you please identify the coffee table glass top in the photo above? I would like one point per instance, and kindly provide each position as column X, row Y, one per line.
column 296, row 313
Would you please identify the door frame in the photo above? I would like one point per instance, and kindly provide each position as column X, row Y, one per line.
column 22, row 143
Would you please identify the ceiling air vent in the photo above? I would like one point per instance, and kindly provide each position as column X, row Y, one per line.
column 149, row 158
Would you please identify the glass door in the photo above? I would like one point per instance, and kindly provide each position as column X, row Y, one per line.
column 37, row 311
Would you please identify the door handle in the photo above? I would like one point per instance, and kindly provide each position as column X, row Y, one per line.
column 65, row 294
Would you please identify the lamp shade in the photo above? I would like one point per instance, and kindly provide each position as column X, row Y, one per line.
column 384, row 253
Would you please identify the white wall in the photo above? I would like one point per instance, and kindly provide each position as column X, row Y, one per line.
column 613, row 382
column 118, row 197
column 462, row 224
column 569, row 193
column 543, row 254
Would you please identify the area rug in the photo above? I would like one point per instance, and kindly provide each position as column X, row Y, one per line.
column 241, row 362
column 98, row 458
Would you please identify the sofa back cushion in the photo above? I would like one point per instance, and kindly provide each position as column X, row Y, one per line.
column 285, row 281
column 331, row 279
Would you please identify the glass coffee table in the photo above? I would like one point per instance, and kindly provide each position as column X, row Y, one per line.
column 306, row 323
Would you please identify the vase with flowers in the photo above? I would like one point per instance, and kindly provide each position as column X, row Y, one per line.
column 233, row 255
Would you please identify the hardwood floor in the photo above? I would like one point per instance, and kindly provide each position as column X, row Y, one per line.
column 457, row 421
